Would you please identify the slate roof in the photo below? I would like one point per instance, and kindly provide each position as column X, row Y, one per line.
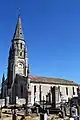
column 48, row 80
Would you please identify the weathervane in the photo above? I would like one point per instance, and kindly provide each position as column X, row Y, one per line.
column 19, row 11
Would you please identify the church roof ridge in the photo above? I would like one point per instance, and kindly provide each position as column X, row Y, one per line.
column 50, row 79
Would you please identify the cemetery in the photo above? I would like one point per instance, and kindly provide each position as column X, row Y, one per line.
column 44, row 111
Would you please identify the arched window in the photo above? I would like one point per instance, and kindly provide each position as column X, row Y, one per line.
column 20, row 53
column 34, row 88
column 66, row 91
column 73, row 91
column 21, row 45
column 16, row 44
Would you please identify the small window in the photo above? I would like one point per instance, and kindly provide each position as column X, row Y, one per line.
column 40, row 92
column 17, row 44
column 66, row 91
column 73, row 91
column 77, row 91
column 21, row 45
column 34, row 88
column 40, row 88
column 20, row 53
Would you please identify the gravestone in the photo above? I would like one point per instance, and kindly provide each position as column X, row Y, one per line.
column 48, row 112
column 63, row 111
column 14, row 114
column 7, row 101
column 74, row 112
column 2, row 102
column 71, row 118
column 67, row 107
column 37, row 110
column 43, row 116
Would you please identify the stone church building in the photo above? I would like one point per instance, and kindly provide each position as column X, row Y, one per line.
column 52, row 90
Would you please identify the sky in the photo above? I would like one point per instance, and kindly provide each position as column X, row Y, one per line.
column 51, row 31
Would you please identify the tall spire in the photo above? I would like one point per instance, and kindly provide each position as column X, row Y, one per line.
column 18, row 31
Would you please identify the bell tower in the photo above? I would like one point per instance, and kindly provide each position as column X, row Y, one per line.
column 18, row 59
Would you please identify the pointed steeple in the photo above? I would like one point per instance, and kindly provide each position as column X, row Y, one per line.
column 18, row 31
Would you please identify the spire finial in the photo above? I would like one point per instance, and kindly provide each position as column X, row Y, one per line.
column 19, row 12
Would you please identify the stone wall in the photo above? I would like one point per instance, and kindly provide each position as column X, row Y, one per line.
column 2, row 102
column 45, row 88
column 20, row 101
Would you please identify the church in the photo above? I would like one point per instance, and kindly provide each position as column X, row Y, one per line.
column 52, row 90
